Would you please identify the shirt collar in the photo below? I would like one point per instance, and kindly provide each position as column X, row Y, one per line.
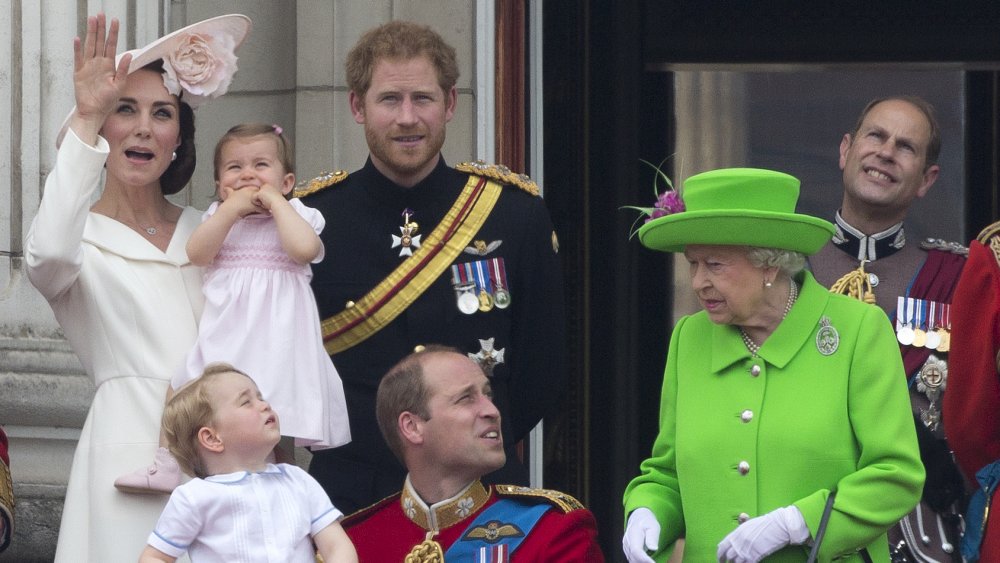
column 238, row 476
column 445, row 513
column 868, row 247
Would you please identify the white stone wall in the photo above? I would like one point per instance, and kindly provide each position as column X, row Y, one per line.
column 291, row 73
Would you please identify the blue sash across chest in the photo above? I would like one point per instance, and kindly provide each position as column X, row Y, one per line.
column 497, row 532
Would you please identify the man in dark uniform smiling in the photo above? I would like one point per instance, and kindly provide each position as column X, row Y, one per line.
column 418, row 252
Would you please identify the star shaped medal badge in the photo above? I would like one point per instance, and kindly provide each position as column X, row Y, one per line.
column 408, row 238
column 488, row 357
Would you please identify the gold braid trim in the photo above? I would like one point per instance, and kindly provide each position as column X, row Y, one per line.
column 988, row 232
column 563, row 501
column 500, row 173
column 988, row 237
column 855, row 284
column 324, row 180
column 995, row 247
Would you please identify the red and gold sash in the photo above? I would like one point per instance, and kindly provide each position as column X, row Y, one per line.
column 411, row 278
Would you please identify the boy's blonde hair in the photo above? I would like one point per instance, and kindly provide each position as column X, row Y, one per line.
column 187, row 412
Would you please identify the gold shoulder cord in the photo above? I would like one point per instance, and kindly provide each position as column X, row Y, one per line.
column 855, row 284
column 427, row 551
column 995, row 247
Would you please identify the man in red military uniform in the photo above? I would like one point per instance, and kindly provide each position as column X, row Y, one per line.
column 972, row 403
column 434, row 409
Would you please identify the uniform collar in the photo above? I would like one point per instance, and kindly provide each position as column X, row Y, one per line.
column 445, row 513
column 868, row 247
column 382, row 188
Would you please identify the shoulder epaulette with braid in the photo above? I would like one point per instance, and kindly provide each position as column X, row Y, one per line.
column 989, row 232
column 321, row 182
column 501, row 173
column 561, row 500
column 943, row 245
column 990, row 237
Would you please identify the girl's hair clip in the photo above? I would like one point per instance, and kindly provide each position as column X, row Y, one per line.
column 277, row 129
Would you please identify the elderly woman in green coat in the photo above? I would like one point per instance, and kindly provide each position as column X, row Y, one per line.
column 776, row 397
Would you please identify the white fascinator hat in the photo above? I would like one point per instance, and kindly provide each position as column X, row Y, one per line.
column 199, row 60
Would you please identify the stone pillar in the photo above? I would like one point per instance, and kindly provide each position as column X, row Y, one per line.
column 711, row 133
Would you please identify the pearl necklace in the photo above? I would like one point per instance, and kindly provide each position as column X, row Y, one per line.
column 753, row 347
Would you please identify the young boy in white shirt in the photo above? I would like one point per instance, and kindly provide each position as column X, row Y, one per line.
column 240, row 507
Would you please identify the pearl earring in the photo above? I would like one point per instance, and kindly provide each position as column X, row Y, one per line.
column 767, row 284
column 173, row 157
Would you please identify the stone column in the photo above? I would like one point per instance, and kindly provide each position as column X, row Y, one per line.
column 710, row 110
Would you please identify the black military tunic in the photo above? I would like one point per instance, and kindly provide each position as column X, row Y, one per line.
column 363, row 214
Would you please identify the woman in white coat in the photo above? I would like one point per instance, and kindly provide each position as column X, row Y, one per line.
column 115, row 271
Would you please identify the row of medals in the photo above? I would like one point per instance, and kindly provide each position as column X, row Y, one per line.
column 469, row 301
column 937, row 339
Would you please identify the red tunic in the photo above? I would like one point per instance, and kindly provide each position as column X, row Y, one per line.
column 972, row 401
column 383, row 533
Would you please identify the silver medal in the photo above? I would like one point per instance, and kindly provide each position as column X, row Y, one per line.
column 933, row 340
column 501, row 298
column 905, row 335
column 465, row 297
column 467, row 303
column 827, row 337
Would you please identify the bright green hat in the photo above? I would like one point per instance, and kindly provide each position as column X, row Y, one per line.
column 738, row 206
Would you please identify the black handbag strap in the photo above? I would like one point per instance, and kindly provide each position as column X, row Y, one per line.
column 821, row 531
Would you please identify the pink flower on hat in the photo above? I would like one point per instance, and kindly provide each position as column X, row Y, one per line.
column 668, row 201
column 201, row 65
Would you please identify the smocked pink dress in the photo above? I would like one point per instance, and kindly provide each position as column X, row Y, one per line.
column 260, row 316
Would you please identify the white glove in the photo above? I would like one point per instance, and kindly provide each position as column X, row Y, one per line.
column 759, row 537
column 642, row 534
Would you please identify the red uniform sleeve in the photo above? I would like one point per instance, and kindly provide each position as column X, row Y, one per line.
column 569, row 537
column 972, row 399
